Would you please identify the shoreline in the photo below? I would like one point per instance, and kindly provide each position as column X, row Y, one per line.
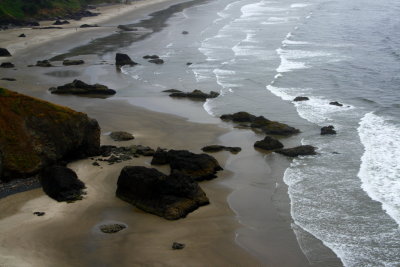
column 223, row 191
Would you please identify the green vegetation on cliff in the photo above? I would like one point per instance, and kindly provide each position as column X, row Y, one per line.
column 28, row 9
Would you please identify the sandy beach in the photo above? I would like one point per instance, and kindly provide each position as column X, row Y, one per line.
column 248, row 222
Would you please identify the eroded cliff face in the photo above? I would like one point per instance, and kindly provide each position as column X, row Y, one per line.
column 35, row 134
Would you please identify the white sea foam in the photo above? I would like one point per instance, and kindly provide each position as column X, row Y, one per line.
column 290, row 42
column 288, row 65
column 380, row 167
column 224, row 72
column 299, row 5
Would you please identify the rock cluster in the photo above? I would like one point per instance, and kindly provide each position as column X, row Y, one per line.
column 78, row 87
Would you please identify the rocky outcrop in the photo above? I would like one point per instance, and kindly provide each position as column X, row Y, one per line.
column 297, row 151
column 121, row 136
column 268, row 143
column 7, row 65
column 61, row 183
column 260, row 123
column 43, row 63
column 171, row 197
column 196, row 95
column 78, row 87
column 123, row 59
column 217, row 148
column 69, row 62
column 199, row 167
column 335, row 103
column 301, row 98
column 328, row 130
column 4, row 53
column 41, row 134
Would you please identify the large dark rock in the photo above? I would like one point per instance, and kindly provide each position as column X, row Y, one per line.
column 4, row 53
column 197, row 166
column 61, row 183
column 196, row 95
column 7, row 65
column 260, row 123
column 297, row 151
column 268, row 143
column 123, row 59
column 217, row 148
column 121, row 136
column 35, row 134
column 69, row 62
column 328, row 130
column 43, row 63
column 171, row 197
column 301, row 98
column 78, row 87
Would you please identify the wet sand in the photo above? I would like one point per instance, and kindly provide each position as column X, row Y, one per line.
column 248, row 222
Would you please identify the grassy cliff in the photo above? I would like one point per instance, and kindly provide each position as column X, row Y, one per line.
column 20, row 10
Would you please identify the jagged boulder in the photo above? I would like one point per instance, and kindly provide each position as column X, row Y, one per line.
column 268, row 143
column 41, row 134
column 197, row 166
column 69, row 62
column 61, row 183
column 260, row 123
column 121, row 136
column 4, row 53
column 196, row 95
column 171, row 197
column 78, row 87
column 328, row 130
column 297, row 151
column 217, row 148
column 123, row 59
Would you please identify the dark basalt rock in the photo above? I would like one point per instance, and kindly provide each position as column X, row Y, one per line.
column 297, row 151
column 121, row 136
column 123, row 59
column 189, row 63
column 9, row 79
column 335, row 103
column 199, row 167
column 151, row 57
column 4, row 53
column 59, row 22
column 69, row 62
column 42, row 134
column 196, row 94
column 22, row 35
column 157, row 61
column 268, row 143
column 172, row 91
column 126, row 28
column 112, row 228
column 43, row 63
column 61, row 183
column 301, row 98
column 328, row 130
column 7, row 65
column 217, row 148
column 88, row 25
column 177, row 245
column 171, row 197
column 78, row 87
column 260, row 123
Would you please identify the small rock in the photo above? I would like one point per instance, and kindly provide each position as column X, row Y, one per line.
column 4, row 53
column 328, row 130
column 217, row 148
column 112, row 228
column 172, row 91
column 335, row 103
column 126, row 28
column 88, row 25
column 9, row 79
column 301, row 98
column 69, row 62
column 185, row 32
column 95, row 163
column 151, row 57
column 43, row 63
column 121, row 136
column 59, row 22
column 189, row 63
column 39, row 213
column 7, row 65
column 22, row 35
column 297, row 151
column 157, row 61
column 177, row 245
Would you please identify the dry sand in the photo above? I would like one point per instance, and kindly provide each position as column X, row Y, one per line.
column 256, row 217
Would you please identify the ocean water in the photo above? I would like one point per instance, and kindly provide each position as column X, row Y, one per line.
column 347, row 196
